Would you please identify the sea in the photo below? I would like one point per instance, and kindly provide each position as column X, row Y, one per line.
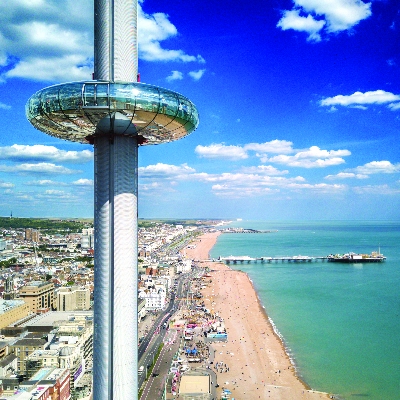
column 340, row 323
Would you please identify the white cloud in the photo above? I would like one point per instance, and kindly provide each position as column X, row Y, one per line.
column 161, row 170
column 221, row 151
column 56, row 197
column 376, row 189
column 53, row 69
column 391, row 62
column 153, row 29
column 347, row 175
column 40, row 168
column 314, row 157
column 47, row 40
column 38, row 152
column 293, row 20
column 293, row 161
column 274, row 146
column 6, row 185
column 83, row 182
column 378, row 167
column 359, row 98
column 238, row 185
column 196, row 75
column 242, row 192
column 52, row 40
column 264, row 170
column 394, row 106
column 320, row 187
column 55, row 192
column 246, row 179
column 45, row 182
column 175, row 76
column 155, row 189
column 316, row 152
column 313, row 16
column 4, row 106
column 340, row 14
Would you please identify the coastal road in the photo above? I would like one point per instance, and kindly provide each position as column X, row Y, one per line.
column 150, row 344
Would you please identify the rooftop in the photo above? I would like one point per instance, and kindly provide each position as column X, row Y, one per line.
column 49, row 318
column 7, row 305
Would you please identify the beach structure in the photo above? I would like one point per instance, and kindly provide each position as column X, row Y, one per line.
column 116, row 114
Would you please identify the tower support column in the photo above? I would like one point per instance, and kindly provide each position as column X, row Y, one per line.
column 115, row 278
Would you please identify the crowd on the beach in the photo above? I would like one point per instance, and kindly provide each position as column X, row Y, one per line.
column 221, row 367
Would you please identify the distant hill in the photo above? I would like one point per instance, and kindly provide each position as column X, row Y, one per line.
column 46, row 224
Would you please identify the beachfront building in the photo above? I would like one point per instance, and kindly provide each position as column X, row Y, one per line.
column 141, row 309
column 38, row 295
column 183, row 266
column 155, row 299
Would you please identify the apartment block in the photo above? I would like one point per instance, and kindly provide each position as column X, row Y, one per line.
column 38, row 295
column 73, row 298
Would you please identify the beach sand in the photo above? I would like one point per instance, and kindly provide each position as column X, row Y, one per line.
column 259, row 367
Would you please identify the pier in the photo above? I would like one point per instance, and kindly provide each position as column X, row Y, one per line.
column 248, row 260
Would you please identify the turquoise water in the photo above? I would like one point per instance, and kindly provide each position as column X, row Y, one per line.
column 340, row 322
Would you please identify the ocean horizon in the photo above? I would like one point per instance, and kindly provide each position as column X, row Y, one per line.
column 339, row 322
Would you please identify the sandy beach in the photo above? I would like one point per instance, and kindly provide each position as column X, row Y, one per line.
column 253, row 361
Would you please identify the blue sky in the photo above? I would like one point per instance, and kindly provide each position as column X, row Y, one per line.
column 299, row 104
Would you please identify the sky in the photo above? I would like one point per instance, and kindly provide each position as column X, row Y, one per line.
column 299, row 104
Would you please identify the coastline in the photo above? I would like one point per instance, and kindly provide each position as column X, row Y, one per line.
column 258, row 362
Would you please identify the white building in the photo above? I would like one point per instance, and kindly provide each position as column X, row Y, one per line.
column 155, row 298
column 184, row 266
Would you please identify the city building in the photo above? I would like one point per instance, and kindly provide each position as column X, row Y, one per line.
column 22, row 348
column 8, row 365
column 32, row 235
column 141, row 309
column 38, row 295
column 183, row 266
column 12, row 311
column 70, row 344
column 155, row 298
column 39, row 359
column 87, row 241
column 9, row 293
column 73, row 298
column 48, row 383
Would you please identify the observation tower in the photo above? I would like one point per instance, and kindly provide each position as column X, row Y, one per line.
column 116, row 114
